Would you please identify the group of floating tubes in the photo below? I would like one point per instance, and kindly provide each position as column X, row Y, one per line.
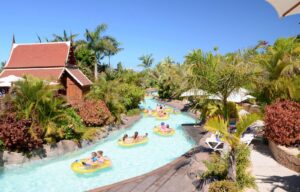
column 79, row 167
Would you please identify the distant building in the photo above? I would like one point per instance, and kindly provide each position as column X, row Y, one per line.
column 54, row 62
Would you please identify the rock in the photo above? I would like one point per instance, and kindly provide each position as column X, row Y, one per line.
column 13, row 158
column 60, row 148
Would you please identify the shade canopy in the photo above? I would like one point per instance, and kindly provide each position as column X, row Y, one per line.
column 285, row 7
column 193, row 92
column 237, row 96
column 10, row 79
column 5, row 84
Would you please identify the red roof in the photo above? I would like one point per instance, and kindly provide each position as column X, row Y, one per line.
column 79, row 76
column 44, row 60
column 46, row 73
column 39, row 55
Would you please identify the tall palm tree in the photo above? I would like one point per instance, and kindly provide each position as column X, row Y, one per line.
column 64, row 37
column 217, row 74
column 96, row 42
column 147, row 61
column 112, row 47
column 217, row 124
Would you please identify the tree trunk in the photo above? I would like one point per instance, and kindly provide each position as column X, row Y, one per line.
column 109, row 61
column 96, row 71
column 232, row 166
column 225, row 110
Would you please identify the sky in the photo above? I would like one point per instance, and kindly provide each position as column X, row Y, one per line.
column 159, row 27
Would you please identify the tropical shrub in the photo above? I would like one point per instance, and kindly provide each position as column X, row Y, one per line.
column 279, row 71
column 283, row 123
column 118, row 94
column 19, row 135
column 217, row 124
column 244, row 177
column 217, row 168
column 94, row 113
column 133, row 112
column 223, row 186
column 90, row 133
column 169, row 77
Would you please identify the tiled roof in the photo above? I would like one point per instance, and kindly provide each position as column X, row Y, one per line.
column 79, row 76
column 44, row 73
column 39, row 55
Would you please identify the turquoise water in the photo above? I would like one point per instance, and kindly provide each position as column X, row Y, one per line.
column 56, row 175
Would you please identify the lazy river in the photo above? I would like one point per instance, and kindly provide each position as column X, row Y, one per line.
column 55, row 174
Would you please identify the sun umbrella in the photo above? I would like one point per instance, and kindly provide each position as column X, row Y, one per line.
column 193, row 92
column 286, row 7
column 5, row 84
column 10, row 79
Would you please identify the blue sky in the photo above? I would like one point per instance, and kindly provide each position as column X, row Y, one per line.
column 161, row 27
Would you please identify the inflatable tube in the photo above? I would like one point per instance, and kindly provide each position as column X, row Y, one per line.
column 168, row 110
column 144, row 140
column 78, row 167
column 148, row 97
column 158, row 131
column 165, row 117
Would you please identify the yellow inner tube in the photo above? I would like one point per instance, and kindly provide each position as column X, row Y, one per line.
column 165, row 117
column 158, row 131
column 168, row 110
column 142, row 141
column 78, row 167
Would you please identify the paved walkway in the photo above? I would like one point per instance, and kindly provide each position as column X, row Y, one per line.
column 270, row 175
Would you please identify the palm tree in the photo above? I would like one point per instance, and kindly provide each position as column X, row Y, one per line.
column 40, row 39
column 96, row 42
column 280, row 68
column 147, row 61
column 217, row 74
column 217, row 124
column 2, row 64
column 111, row 47
column 64, row 37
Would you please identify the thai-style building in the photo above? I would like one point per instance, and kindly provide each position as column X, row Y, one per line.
column 53, row 62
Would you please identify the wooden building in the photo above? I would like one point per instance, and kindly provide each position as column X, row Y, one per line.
column 54, row 62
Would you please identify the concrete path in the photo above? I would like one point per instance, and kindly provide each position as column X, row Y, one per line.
column 270, row 175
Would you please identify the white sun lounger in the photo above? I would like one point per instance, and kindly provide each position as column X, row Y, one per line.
column 217, row 145
column 247, row 138
column 214, row 143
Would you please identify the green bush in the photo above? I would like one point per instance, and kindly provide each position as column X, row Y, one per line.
column 119, row 95
column 223, row 186
column 133, row 112
column 244, row 177
column 217, row 168
column 90, row 133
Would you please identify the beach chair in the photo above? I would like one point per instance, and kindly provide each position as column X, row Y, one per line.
column 215, row 143
column 247, row 138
